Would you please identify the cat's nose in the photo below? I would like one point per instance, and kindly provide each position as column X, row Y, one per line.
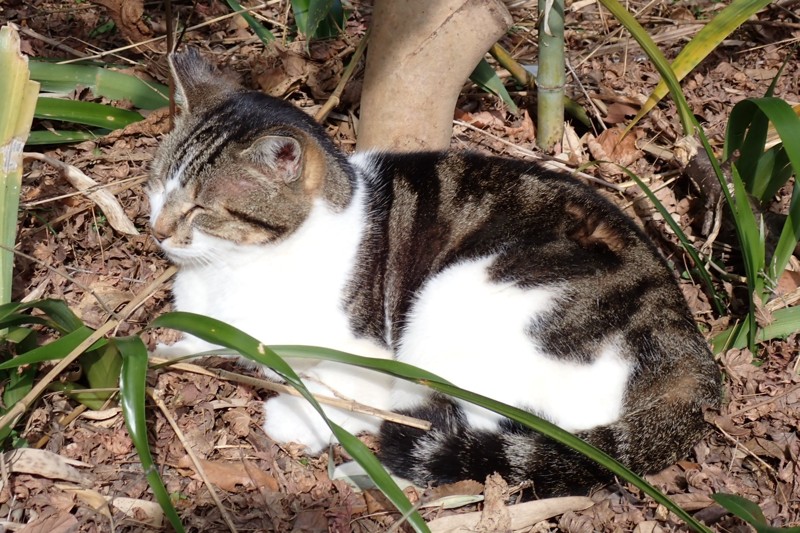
column 160, row 230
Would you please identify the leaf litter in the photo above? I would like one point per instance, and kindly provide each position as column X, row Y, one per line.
column 752, row 448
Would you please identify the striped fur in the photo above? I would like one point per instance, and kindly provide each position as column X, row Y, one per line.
column 505, row 278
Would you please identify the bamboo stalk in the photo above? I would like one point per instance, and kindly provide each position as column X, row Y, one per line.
column 18, row 96
column 551, row 78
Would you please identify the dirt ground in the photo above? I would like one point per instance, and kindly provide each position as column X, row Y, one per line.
column 752, row 448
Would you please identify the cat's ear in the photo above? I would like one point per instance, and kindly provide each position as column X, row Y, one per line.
column 198, row 83
column 281, row 154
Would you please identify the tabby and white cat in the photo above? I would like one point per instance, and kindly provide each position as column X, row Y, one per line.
column 505, row 278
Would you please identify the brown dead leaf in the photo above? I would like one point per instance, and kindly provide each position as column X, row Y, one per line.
column 128, row 15
column 62, row 522
column 495, row 516
column 229, row 475
column 611, row 147
column 238, row 422
column 467, row 487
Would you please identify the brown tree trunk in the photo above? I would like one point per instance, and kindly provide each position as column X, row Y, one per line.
column 420, row 54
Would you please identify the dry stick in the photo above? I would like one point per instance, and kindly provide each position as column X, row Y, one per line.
column 106, row 201
column 11, row 417
column 348, row 405
column 335, row 97
column 551, row 160
column 52, row 42
column 197, row 466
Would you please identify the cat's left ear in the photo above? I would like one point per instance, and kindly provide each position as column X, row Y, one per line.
column 198, row 83
column 281, row 154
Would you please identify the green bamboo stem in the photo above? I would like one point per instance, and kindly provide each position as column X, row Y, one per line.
column 18, row 96
column 551, row 78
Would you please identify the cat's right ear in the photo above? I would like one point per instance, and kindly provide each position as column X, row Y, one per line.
column 198, row 83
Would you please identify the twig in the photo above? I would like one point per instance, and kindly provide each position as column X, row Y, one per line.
column 550, row 160
column 13, row 414
column 348, row 405
column 106, row 201
column 47, row 40
column 335, row 97
column 746, row 450
column 197, row 466
column 162, row 37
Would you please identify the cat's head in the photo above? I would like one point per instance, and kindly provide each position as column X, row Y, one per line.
column 240, row 168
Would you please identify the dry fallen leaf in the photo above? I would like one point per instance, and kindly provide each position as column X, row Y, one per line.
column 143, row 511
column 42, row 463
column 228, row 475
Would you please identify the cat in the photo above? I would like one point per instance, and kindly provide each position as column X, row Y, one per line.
column 505, row 278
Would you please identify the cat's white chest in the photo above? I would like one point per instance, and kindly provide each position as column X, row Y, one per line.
column 286, row 293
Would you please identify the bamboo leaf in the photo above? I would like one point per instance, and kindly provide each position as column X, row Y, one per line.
column 750, row 512
column 40, row 137
column 657, row 58
column 102, row 81
column 132, row 394
column 261, row 32
column 486, row 78
column 57, row 349
column 318, row 19
column 785, row 322
column 103, row 116
column 702, row 44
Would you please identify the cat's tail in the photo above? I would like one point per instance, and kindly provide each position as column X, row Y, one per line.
column 662, row 429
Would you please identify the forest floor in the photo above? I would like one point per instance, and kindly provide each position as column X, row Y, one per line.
column 72, row 253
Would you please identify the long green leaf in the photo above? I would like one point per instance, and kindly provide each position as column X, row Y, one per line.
column 750, row 512
column 57, row 349
column 784, row 322
column 486, row 78
column 263, row 33
column 103, row 116
column 217, row 332
column 132, row 395
column 787, row 125
column 42, row 137
column 657, row 57
column 702, row 44
column 716, row 299
column 102, row 81
column 318, row 19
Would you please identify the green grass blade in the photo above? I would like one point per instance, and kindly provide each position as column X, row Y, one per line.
column 132, row 395
column 750, row 512
column 318, row 19
column 43, row 137
column 59, row 312
column 702, row 44
column 261, row 32
column 486, row 78
column 716, row 299
column 659, row 61
column 214, row 331
column 103, row 116
column 102, row 81
column 217, row 332
column 787, row 125
column 57, row 349
column 785, row 322
column 102, row 367
column 94, row 400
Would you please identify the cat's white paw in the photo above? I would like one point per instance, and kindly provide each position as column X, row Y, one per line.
column 189, row 345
